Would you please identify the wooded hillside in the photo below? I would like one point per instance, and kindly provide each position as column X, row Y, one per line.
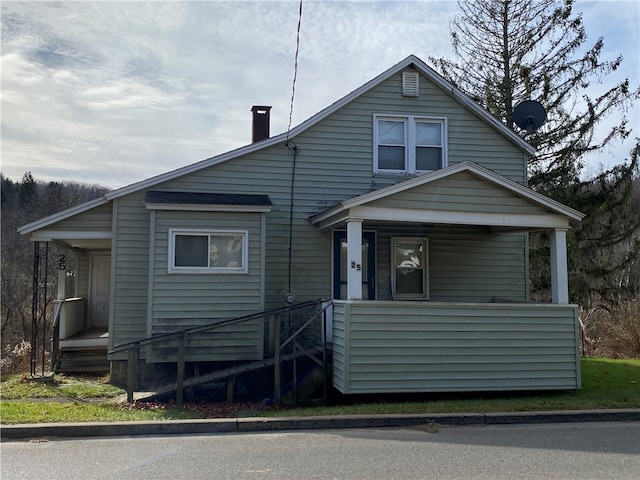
column 24, row 202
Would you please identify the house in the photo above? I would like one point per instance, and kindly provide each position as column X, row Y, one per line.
column 404, row 203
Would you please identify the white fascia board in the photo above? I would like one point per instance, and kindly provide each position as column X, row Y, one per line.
column 188, row 207
column 50, row 235
column 56, row 217
column 459, row 218
column 331, row 221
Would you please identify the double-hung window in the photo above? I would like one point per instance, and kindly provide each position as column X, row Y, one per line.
column 409, row 144
column 208, row 251
column 409, row 275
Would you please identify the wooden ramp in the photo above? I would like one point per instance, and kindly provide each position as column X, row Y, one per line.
column 224, row 374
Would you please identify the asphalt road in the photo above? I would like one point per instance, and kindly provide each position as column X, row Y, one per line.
column 603, row 450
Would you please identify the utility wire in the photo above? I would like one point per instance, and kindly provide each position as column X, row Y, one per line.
column 293, row 148
column 295, row 70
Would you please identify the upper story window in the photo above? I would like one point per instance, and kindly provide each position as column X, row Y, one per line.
column 409, row 144
column 208, row 251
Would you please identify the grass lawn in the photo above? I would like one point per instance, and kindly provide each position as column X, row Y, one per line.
column 605, row 384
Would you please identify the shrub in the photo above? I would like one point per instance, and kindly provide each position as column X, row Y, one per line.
column 612, row 333
column 16, row 358
column 623, row 333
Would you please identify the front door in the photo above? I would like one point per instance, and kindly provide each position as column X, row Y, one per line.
column 340, row 265
column 99, row 290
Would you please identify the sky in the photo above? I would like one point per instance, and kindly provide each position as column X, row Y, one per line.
column 111, row 93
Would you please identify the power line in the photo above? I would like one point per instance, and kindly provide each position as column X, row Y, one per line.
column 295, row 69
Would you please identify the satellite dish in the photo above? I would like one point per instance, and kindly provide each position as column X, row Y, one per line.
column 529, row 115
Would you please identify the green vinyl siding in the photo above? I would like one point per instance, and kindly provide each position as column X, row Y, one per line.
column 243, row 341
column 340, row 371
column 477, row 267
column 97, row 219
column 129, row 279
column 269, row 173
column 185, row 300
column 465, row 264
column 437, row 347
column 334, row 163
column 82, row 273
column 462, row 192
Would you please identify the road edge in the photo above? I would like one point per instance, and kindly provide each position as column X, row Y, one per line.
column 269, row 424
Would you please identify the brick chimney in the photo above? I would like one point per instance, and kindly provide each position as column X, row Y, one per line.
column 260, row 126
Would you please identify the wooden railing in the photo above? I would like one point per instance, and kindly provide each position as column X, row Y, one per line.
column 276, row 344
column 55, row 334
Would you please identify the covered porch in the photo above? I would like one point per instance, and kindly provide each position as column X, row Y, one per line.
column 79, row 322
column 450, row 309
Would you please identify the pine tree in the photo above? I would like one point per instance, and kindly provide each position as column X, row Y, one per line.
column 513, row 50
column 508, row 51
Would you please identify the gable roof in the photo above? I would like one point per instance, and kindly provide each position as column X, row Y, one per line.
column 207, row 202
column 341, row 209
column 197, row 198
column 410, row 61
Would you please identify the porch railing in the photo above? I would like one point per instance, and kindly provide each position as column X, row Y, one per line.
column 55, row 334
column 279, row 342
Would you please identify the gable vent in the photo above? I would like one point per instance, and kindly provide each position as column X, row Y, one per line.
column 410, row 85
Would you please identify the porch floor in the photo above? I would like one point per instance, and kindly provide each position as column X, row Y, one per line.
column 93, row 338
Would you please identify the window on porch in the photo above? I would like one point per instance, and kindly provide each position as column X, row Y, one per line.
column 409, row 279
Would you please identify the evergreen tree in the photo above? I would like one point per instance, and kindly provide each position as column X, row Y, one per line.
column 508, row 51
column 513, row 50
column 28, row 192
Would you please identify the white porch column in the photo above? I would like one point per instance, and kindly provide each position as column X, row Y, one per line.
column 354, row 260
column 62, row 275
column 559, row 275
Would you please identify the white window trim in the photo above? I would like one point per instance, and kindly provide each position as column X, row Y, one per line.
column 172, row 268
column 410, row 142
column 425, row 271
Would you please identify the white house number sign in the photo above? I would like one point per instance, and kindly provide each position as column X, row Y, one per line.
column 356, row 266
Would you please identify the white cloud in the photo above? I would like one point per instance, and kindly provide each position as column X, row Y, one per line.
column 115, row 92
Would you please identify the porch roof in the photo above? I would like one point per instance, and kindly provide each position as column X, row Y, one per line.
column 463, row 194
column 205, row 201
column 78, row 239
